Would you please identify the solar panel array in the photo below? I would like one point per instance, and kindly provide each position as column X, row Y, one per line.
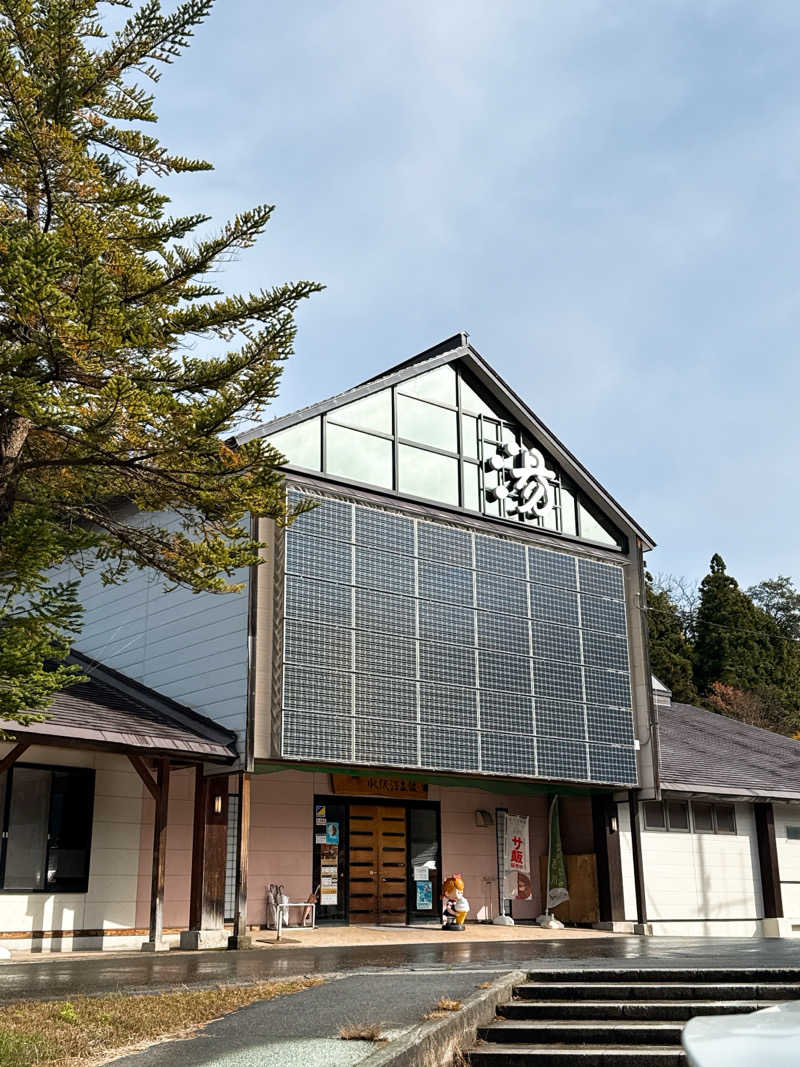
column 415, row 644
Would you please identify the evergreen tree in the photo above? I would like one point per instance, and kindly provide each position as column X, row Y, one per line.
column 103, row 297
column 779, row 598
column 736, row 643
column 670, row 652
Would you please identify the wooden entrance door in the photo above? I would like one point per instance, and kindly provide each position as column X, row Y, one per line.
column 377, row 864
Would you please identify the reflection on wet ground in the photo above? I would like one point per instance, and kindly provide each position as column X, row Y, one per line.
column 57, row 976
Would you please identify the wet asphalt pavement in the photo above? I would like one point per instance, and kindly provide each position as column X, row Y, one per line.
column 56, row 976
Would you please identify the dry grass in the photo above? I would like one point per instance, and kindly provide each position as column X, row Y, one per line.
column 361, row 1032
column 442, row 1007
column 88, row 1028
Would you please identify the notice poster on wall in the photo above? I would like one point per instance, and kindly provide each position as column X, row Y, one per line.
column 320, row 839
column 329, row 895
column 425, row 895
column 320, row 815
column 328, row 854
column 332, row 833
column 421, row 874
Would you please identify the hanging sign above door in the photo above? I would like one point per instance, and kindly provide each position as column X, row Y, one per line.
column 376, row 785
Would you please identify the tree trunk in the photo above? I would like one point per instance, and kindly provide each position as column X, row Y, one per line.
column 14, row 430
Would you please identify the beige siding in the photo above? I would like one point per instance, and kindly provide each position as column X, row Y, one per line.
column 788, row 860
column 110, row 902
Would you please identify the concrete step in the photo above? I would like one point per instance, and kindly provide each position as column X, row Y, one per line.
column 582, row 1032
column 576, row 1056
column 755, row 975
column 671, row 1010
column 624, row 990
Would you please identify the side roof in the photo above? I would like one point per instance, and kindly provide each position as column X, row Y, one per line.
column 701, row 751
column 455, row 348
column 113, row 711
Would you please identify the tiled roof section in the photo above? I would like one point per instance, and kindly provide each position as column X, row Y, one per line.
column 110, row 709
column 707, row 752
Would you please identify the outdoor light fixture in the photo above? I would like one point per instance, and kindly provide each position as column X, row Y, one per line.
column 218, row 804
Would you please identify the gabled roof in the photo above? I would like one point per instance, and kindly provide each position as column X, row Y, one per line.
column 701, row 751
column 112, row 711
column 455, row 348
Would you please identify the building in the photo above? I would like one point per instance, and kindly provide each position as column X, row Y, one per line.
column 450, row 630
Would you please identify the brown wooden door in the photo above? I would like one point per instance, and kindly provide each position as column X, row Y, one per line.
column 377, row 864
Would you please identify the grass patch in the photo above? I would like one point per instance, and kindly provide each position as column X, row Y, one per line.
column 361, row 1032
column 443, row 1006
column 86, row 1028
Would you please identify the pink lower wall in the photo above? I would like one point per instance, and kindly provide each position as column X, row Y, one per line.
column 281, row 842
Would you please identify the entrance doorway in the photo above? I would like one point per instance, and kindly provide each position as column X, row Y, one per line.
column 378, row 864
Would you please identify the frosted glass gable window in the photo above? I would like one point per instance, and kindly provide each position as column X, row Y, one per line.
column 438, row 385
column 301, row 444
column 427, row 423
column 428, row 474
column 591, row 530
column 470, row 401
column 370, row 413
column 360, row 457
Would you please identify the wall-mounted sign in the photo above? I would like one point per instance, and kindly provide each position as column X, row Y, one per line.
column 525, row 483
column 374, row 785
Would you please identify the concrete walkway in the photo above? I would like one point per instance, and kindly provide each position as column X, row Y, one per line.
column 52, row 977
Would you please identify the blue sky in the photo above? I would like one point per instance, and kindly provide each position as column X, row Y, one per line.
column 605, row 196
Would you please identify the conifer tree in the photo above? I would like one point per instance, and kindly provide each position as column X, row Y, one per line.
column 670, row 652
column 123, row 367
column 736, row 643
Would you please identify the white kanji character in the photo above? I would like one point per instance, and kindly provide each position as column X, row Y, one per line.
column 527, row 485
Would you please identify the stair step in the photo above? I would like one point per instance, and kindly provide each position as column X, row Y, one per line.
column 739, row 975
column 584, row 1032
column 655, row 991
column 576, row 1056
column 674, row 1010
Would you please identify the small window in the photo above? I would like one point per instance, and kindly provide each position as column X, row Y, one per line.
column 438, row 385
column 725, row 815
column 472, row 486
column 360, row 457
column 654, row 815
column 370, row 413
column 47, row 829
column 703, row 816
column 427, row 474
column 301, row 444
column 592, row 530
column 793, row 833
column 678, row 815
column 427, row 424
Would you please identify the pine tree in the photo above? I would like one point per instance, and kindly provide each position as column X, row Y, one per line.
column 670, row 652
column 102, row 401
column 736, row 643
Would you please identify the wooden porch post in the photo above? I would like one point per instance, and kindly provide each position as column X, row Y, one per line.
column 641, row 926
column 768, row 862
column 240, row 937
column 207, row 898
column 156, row 941
column 609, row 860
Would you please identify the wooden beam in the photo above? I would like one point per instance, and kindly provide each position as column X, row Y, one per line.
column 141, row 769
column 11, row 758
column 240, row 938
column 609, row 859
column 768, row 861
column 156, row 941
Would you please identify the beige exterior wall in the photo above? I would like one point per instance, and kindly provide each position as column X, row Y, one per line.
column 788, row 863
column 697, row 885
column 110, row 902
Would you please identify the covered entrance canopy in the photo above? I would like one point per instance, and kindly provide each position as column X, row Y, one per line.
column 112, row 713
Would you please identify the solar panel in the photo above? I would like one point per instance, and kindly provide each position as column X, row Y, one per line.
column 412, row 643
